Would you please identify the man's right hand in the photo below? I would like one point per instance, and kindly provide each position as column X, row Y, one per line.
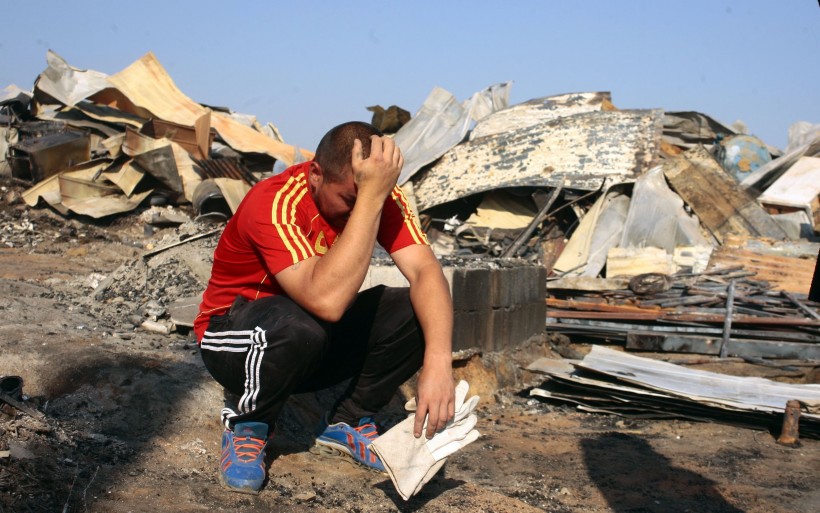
column 376, row 175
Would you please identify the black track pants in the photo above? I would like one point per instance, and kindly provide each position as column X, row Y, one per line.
column 267, row 349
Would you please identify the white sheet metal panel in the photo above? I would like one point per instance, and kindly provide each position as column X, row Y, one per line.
column 578, row 151
column 798, row 187
column 442, row 122
column 744, row 393
column 67, row 84
column 539, row 110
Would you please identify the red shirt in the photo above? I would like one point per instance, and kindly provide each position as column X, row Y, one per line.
column 277, row 225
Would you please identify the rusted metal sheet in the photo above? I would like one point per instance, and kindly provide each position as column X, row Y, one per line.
column 125, row 175
column 195, row 140
column 579, row 152
column 590, row 306
column 146, row 90
column 99, row 207
column 163, row 159
column 617, row 330
column 540, row 110
column 110, row 115
column 226, row 168
column 77, row 119
column 49, row 189
column 722, row 205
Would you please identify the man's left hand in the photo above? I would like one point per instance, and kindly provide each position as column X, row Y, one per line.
column 435, row 398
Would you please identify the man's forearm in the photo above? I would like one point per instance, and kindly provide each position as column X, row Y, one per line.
column 430, row 296
column 346, row 262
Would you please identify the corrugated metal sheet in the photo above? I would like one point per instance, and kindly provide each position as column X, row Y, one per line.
column 226, row 168
column 578, row 151
column 145, row 89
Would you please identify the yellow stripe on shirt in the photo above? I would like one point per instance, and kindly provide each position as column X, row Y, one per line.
column 410, row 219
column 283, row 217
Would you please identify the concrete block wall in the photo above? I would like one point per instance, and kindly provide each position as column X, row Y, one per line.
column 497, row 303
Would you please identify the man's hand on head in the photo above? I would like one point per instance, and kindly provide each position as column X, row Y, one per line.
column 376, row 175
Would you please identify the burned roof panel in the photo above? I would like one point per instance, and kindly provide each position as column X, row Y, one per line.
column 578, row 151
column 540, row 110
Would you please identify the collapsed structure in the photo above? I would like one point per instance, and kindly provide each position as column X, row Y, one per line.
column 665, row 231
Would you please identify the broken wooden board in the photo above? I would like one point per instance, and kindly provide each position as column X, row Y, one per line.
column 635, row 261
column 722, row 205
column 578, row 152
column 791, row 274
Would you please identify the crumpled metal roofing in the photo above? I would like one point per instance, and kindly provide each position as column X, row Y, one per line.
column 579, row 151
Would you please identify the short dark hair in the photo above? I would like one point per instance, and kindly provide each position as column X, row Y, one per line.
column 333, row 152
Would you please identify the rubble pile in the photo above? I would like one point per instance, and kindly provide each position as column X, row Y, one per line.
column 596, row 194
column 98, row 145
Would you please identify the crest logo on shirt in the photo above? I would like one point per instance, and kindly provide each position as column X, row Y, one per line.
column 320, row 246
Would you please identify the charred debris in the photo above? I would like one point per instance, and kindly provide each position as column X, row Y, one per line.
column 668, row 232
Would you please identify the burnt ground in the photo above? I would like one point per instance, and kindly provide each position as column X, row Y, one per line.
column 131, row 417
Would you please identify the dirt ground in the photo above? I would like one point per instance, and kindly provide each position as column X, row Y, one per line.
column 131, row 416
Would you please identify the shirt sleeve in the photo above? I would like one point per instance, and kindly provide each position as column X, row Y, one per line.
column 399, row 225
column 277, row 234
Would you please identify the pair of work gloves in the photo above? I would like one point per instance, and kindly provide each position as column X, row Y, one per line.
column 411, row 462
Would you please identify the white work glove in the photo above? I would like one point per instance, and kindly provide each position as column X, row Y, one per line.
column 411, row 462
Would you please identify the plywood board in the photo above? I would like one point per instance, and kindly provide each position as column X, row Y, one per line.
column 722, row 205
column 791, row 274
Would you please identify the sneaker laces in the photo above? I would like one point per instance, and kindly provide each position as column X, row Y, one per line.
column 367, row 428
column 247, row 449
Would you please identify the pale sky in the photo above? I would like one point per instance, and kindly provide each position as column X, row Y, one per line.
column 308, row 65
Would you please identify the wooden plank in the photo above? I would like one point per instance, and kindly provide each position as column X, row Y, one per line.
column 635, row 261
column 717, row 198
column 791, row 274
column 674, row 343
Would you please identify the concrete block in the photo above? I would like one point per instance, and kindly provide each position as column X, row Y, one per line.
column 471, row 288
column 497, row 304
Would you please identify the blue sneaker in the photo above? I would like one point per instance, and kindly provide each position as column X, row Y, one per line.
column 242, row 468
column 340, row 440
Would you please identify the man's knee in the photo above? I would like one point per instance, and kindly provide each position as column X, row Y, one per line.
column 288, row 331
